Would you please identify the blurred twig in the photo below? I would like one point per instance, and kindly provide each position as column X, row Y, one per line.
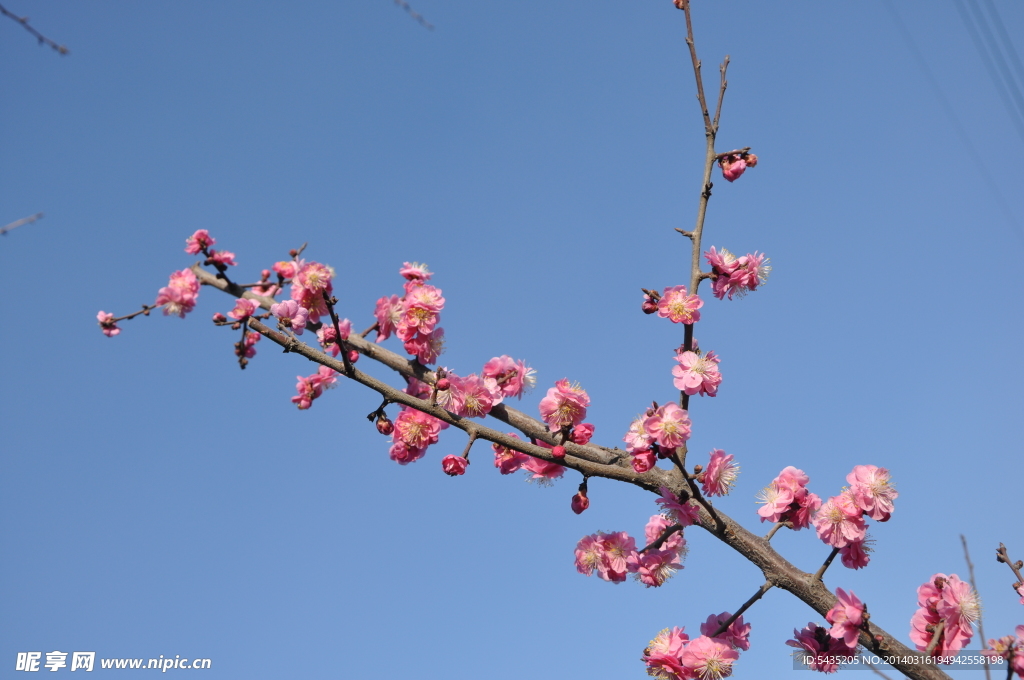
column 415, row 15
column 24, row 220
column 43, row 40
column 970, row 574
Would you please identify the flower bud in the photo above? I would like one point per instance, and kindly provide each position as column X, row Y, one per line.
column 649, row 306
column 384, row 425
column 558, row 451
column 442, row 384
column 219, row 318
column 580, row 502
column 454, row 465
column 353, row 356
column 643, row 461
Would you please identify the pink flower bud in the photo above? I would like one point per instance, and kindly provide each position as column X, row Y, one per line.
column 580, row 502
column 558, row 451
column 454, row 465
column 219, row 318
column 384, row 425
column 643, row 461
column 649, row 306
column 443, row 384
column 353, row 356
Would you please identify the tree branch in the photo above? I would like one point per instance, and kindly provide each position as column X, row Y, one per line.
column 43, row 40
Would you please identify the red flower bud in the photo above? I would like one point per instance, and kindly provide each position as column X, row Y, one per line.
column 385, row 426
column 219, row 318
column 580, row 502
column 558, row 451
column 442, row 384
column 454, row 465
column 353, row 356
column 649, row 306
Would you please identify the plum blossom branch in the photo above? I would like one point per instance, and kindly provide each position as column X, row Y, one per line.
column 778, row 525
column 43, row 40
column 744, row 607
column 1015, row 567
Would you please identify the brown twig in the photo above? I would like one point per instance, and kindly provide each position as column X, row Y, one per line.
column 828, row 561
column 660, row 541
column 744, row 607
column 18, row 223
column 778, row 525
column 415, row 15
column 43, row 40
column 970, row 574
column 936, row 636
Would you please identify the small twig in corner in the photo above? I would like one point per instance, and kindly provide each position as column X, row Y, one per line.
column 415, row 15
column 23, row 221
column 43, row 40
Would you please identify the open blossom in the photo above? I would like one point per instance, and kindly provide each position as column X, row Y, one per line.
column 248, row 348
column 420, row 311
column 855, row 554
column 311, row 387
column 416, row 429
column 244, row 308
column 508, row 460
column 287, row 269
column 846, row 617
column 654, row 567
column 737, row 635
column 839, row 521
column 180, row 294
column 541, row 471
column 223, row 258
column 291, row 315
column 107, row 325
column 508, row 378
column 709, row 658
column 475, row 399
column 414, row 271
column 683, row 513
column 328, row 336
column 656, row 526
column 1011, row 648
column 609, row 555
column 948, row 600
column 670, row 426
column 638, row 439
column 736, row 276
column 426, row 347
column 822, row 650
column 195, row 243
column 872, row 491
column 787, row 499
column 719, row 476
column 315, row 278
column 564, row 406
column 679, row 307
column 697, row 374
column 662, row 655
column 388, row 313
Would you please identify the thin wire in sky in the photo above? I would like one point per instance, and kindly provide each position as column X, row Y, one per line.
column 958, row 127
column 1005, row 41
column 995, row 63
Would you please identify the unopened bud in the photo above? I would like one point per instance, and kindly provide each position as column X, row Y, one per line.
column 558, row 451
column 219, row 318
column 580, row 502
column 293, row 253
column 353, row 356
column 649, row 306
column 384, row 425
column 442, row 384
column 454, row 465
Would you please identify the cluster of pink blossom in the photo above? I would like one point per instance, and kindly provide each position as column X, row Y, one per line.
column 678, row 306
column 840, row 520
column 787, row 499
column 506, row 377
column 683, row 513
column 508, row 460
column 658, row 432
column 565, row 405
column 328, row 337
column 311, row 387
column 414, row 432
column 180, row 295
column 1010, row 648
column 612, row 556
column 948, row 601
column 697, row 373
column 846, row 617
column 291, row 315
column 733, row 275
column 247, row 348
column 673, row 656
column 200, row 242
column 654, row 566
column 823, row 650
column 735, row 163
column 414, row 317
column 244, row 308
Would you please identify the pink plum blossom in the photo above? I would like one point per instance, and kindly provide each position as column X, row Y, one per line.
column 872, row 491
column 328, row 336
column 736, row 276
column 420, row 312
column 580, row 502
column 475, row 401
column 311, row 387
column 679, row 307
column 683, row 513
column 541, row 471
column 315, row 278
column 654, row 567
column 582, row 433
column 107, row 324
column 180, row 295
column 638, row 438
column 508, row 378
column 697, row 374
column 454, row 465
column 416, row 429
column 222, row 258
column 656, row 526
column 737, row 635
column 644, row 460
column 198, row 241
column 388, row 313
column 787, row 499
column 846, row 617
column 662, row 655
column 291, row 315
column 564, row 406
column 414, row 271
column 287, row 269
column 508, row 460
column 612, row 556
column 1010, row 648
column 855, row 554
column 951, row 601
column 426, row 347
column 248, row 348
column 839, row 521
column 244, row 308
column 404, row 454
column 670, row 426
column 709, row 658
column 720, row 475
column 732, row 167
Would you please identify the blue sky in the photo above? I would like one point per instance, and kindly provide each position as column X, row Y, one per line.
column 156, row 500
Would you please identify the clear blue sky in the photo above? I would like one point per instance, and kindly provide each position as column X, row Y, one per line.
column 156, row 500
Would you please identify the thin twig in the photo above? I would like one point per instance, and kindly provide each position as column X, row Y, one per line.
column 43, row 40
column 415, row 15
column 821, row 572
column 936, row 636
column 746, row 605
column 970, row 573
column 778, row 525
column 660, row 541
column 18, row 223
